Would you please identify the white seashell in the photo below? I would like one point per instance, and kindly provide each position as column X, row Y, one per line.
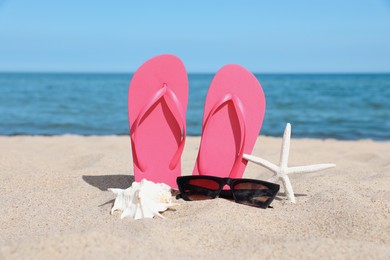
column 144, row 199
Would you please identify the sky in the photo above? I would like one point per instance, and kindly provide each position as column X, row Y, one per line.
column 264, row 36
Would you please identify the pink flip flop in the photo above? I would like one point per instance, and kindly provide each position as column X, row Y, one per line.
column 157, row 102
column 233, row 115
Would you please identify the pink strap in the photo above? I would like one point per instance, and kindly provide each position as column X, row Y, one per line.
column 164, row 92
column 238, row 108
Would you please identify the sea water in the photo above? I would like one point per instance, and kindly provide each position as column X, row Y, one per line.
column 340, row 106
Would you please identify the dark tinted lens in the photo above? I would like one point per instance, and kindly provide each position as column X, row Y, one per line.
column 200, row 189
column 253, row 194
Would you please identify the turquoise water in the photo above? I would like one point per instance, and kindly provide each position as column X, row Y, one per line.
column 351, row 106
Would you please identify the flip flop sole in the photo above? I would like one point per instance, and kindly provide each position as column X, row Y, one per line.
column 232, row 127
column 157, row 103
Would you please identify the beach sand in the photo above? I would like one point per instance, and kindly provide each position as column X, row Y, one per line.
column 55, row 204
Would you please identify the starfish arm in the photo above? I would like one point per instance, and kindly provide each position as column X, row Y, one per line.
column 257, row 160
column 310, row 168
column 285, row 146
column 288, row 188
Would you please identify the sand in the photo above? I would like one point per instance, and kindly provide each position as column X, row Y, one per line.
column 55, row 204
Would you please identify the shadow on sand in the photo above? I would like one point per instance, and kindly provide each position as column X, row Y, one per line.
column 104, row 182
column 282, row 195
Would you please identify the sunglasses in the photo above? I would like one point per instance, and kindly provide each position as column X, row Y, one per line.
column 255, row 193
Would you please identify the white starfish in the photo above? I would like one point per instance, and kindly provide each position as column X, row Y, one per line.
column 281, row 172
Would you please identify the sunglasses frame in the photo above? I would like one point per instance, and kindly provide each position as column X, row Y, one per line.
column 273, row 188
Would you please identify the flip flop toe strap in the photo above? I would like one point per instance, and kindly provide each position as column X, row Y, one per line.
column 174, row 105
column 239, row 111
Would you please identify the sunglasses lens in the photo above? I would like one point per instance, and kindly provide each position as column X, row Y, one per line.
column 200, row 189
column 253, row 194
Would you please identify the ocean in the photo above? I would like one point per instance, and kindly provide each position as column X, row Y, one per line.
column 338, row 106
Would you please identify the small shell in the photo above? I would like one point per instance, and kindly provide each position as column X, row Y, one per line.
column 144, row 199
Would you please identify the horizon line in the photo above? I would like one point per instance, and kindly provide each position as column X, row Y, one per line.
column 189, row 72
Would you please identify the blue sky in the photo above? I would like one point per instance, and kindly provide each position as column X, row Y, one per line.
column 264, row 36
